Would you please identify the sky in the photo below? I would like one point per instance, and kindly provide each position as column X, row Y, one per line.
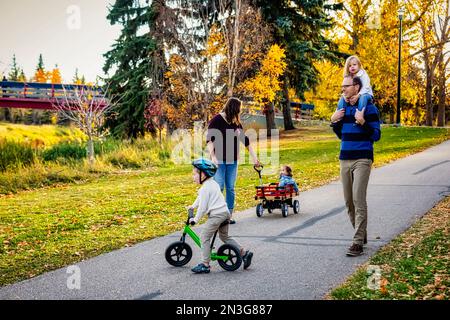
column 70, row 33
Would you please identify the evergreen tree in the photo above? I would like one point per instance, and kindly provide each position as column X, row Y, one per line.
column 76, row 77
column 40, row 75
column 297, row 26
column 22, row 76
column 14, row 73
column 40, row 65
column 132, row 56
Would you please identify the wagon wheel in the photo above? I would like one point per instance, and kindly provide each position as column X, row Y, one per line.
column 296, row 206
column 284, row 210
column 259, row 210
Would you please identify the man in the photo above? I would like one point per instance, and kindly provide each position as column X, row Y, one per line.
column 358, row 130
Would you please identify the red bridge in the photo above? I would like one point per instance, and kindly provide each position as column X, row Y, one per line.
column 44, row 95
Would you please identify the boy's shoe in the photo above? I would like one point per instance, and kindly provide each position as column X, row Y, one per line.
column 201, row 268
column 247, row 258
column 355, row 250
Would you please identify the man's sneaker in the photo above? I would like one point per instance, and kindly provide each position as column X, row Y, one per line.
column 200, row 268
column 247, row 258
column 355, row 250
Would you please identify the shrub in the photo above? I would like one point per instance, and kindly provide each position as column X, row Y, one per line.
column 125, row 158
column 15, row 154
column 72, row 151
column 107, row 146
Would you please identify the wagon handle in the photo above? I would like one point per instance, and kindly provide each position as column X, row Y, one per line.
column 259, row 172
column 260, row 166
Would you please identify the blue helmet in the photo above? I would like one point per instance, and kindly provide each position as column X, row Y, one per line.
column 206, row 166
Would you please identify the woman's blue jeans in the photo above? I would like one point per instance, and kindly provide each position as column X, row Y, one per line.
column 226, row 177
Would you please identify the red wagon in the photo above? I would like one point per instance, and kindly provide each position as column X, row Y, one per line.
column 274, row 197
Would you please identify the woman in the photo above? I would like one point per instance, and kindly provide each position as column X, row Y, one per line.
column 224, row 130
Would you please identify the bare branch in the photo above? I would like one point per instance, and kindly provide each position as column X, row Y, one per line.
column 427, row 48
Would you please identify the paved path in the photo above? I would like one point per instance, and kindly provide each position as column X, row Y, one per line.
column 298, row 257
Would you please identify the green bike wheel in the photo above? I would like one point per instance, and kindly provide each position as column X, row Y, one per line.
column 178, row 254
column 234, row 260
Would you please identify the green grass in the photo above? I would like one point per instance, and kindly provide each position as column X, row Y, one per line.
column 48, row 228
column 415, row 265
column 28, row 165
column 45, row 135
column 15, row 155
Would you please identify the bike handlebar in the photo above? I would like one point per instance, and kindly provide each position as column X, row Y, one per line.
column 190, row 216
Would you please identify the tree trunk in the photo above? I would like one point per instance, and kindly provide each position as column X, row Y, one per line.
column 270, row 118
column 36, row 117
column 441, row 93
column 429, row 95
column 90, row 151
column 8, row 115
column 391, row 117
column 229, row 90
column 417, row 114
column 288, row 124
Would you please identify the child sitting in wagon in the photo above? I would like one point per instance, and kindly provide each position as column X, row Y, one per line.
column 286, row 178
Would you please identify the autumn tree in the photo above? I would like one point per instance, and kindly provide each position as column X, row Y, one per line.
column 22, row 77
column 55, row 75
column 217, row 46
column 298, row 27
column 196, row 42
column 246, row 40
column 77, row 79
column 434, row 34
column 40, row 74
column 267, row 82
column 86, row 106
column 369, row 29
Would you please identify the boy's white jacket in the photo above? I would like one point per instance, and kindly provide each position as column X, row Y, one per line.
column 366, row 87
column 209, row 200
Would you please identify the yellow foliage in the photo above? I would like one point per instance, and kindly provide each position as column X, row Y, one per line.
column 55, row 76
column 41, row 76
column 378, row 50
column 265, row 85
column 215, row 44
column 327, row 93
column 178, row 76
